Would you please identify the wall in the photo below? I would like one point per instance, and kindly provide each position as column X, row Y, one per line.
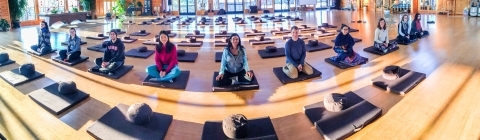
column 4, row 11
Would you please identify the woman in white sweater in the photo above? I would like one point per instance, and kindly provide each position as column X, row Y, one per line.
column 381, row 41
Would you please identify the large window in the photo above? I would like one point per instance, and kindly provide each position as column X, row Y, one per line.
column 321, row 4
column 250, row 3
column 218, row 4
column 174, row 5
column 235, row 6
column 202, row 5
column 72, row 4
column 283, row 5
column 29, row 13
column 107, row 6
column 266, row 4
column 424, row 4
column 187, row 6
column 47, row 6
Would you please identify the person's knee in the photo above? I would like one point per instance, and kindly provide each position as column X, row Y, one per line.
column 151, row 68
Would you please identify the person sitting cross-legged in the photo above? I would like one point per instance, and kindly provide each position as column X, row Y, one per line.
column 234, row 67
column 166, row 63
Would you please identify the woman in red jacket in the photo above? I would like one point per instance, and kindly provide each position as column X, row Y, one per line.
column 166, row 64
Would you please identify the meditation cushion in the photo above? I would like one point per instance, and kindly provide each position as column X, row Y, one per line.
column 168, row 31
column 313, row 42
column 288, row 17
column 272, row 17
column 4, row 57
column 183, row 23
column 196, row 32
column 391, row 72
column 242, row 21
column 142, row 49
column 203, row 22
column 271, row 49
column 223, row 22
column 280, row 28
column 180, row 52
column 280, row 15
column 153, row 20
column 297, row 18
column 252, row 16
column 139, row 113
column 117, row 30
column 143, row 31
column 100, row 35
column 157, row 18
column 225, row 39
column 223, row 32
column 66, row 88
column 193, row 39
column 321, row 30
column 334, row 102
column 324, row 24
column 130, row 21
column 256, row 18
column 265, row 16
column 254, row 30
column 178, row 17
column 235, row 126
column 304, row 26
column 220, row 18
column 164, row 16
column 144, row 22
column 126, row 37
column 168, row 20
column 260, row 38
column 27, row 69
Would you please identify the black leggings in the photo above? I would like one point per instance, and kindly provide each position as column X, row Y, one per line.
column 71, row 57
column 225, row 81
column 111, row 67
column 403, row 39
column 425, row 33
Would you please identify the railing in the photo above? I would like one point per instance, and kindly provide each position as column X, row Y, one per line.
column 29, row 14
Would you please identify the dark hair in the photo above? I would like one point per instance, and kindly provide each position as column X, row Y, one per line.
column 46, row 26
column 405, row 15
column 417, row 15
column 168, row 45
column 344, row 25
column 294, row 28
column 384, row 26
column 74, row 30
column 230, row 45
column 113, row 31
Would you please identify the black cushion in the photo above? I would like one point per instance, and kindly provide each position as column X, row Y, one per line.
column 139, row 113
column 304, row 26
column 126, row 37
column 4, row 57
column 130, row 21
column 179, row 82
column 115, row 125
column 68, row 87
column 279, row 53
column 8, row 62
column 391, row 72
column 193, row 40
column 280, row 28
column 27, row 69
column 142, row 49
column 324, row 24
column 152, row 20
column 235, row 126
column 223, row 32
column 55, row 102
column 196, row 32
column 254, row 30
column 288, row 17
column 258, row 129
column 374, row 50
column 334, row 102
column 180, row 52
column 168, row 31
column 278, row 71
column 118, row 73
column 253, row 85
column 140, row 33
column 188, row 57
column 144, row 22
column 313, row 42
column 218, row 56
column 407, row 80
column 143, row 31
column 260, row 38
column 137, row 54
column 100, row 35
column 271, row 49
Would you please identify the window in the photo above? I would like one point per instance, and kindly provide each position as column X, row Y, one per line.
column 321, row 4
column 29, row 13
column 202, row 5
column 175, row 5
column 250, row 3
column 72, row 4
column 107, row 6
column 46, row 6
column 218, row 4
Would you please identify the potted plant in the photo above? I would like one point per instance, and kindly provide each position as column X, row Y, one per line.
column 119, row 9
column 54, row 10
column 75, row 9
column 86, row 4
column 17, row 9
column 4, row 26
column 139, row 4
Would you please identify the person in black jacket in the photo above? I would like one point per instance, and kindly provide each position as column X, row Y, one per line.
column 404, row 30
column 417, row 30
column 113, row 57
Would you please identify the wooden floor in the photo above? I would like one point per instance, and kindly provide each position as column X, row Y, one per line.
column 444, row 106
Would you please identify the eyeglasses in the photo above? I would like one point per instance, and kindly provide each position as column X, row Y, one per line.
column 345, row 29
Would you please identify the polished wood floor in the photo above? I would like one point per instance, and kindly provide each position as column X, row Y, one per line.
column 444, row 106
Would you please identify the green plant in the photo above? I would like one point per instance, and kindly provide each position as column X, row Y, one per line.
column 4, row 26
column 75, row 9
column 119, row 9
column 86, row 4
column 54, row 10
column 17, row 8
column 139, row 4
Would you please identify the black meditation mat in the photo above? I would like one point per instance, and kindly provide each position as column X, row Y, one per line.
column 118, row 33
column 328, row 26
column 179, row 82
column 139, row 34
column 114, row 125
column 254, row 34
column 220, row 43
column 321, row 46
column 274, row 32
column 134, row 53
column 222, row 35
column 172, row 35
column 188, row 57
column 403, row 43
column 38, row 54
column 97, row 48
column 301, row 76
column 50, row 99
column 14, row 78
column 293, row 19
column 279, row 53
column 339, row 125
column 70, row 63
column 186, row 43
column 339, row 65
column 351, row 30
column 150, row 43
column 148, row 23
column 354, row 39
column 193, row 35
column 96, row 37
column 314, row 112
column 407, row 81
column 252, row 86
column 218, row 56
column 374, row 50
column 286, row 38
column 258, row 129
column 131, row 40
column 9, row 61
column 117, row 73
column 258, row 42
column 81, row 43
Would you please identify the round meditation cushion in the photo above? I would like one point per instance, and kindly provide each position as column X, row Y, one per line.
column 204, row 18
column 260, row 38
column 178, row 16
column 158, row 18
column 235, row 126
column 265, row 16
column 304, row 26
column 27, row 69
column 324, row 24
column 142, row 49
column 4, row 57
column 153, row 20
column 183, row 23
column 202, row 22
column 196, row 32
column 130, row 21
column 334, row 102
column 254, row 30
column 117, row 30
column 321, row 30
column 168, row 31
column 67, row 87
column 180, row 52
column 313, row 42
column 297, row 18
column 280, row 28
column 100, row 35
column 168, row 20
column 139, row 113
column 391, row 72
column 223, row 32
column 288, row 17
column 143, row 31
column 193, row 39
column 144, row 22
column 252, row 16
column 164, row 16
column 270, row 49
column 126, row 37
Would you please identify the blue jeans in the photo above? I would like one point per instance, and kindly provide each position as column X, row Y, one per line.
column 154, row 72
